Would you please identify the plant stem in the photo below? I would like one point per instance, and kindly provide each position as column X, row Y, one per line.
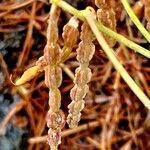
column 103, row 29
column 111, row 55
column 135, row 20
column 68, row 8
column 123, row 40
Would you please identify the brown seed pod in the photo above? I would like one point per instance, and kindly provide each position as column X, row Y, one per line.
column 70, row 32
column 73, row 119
column 76, row 106
column 78, row 93
column 53, row 79
column 70, row 36
column 52, row 54
column 55, row 120
column 83, row 75
column 85, row 52
column 54, row 100
column 86, row 34
column 54, row 138
column 106, row 15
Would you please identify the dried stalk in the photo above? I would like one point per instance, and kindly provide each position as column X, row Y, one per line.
column 83, row 75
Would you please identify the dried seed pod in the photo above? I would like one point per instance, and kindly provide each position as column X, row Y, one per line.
column 41, row 62
column 52, row 54
column 70, row 32
column 78, row 93
column 53, row 79
column 54, row 138
column 70, row 36
column 102, row 3
column 82, row 76
column 52, row 34
column 85, row 52
column 54, row 100
column 76, row 106
column 86, row 34
column 53, row 76
column 106, row 15
column 73, row 119
column 55, row 120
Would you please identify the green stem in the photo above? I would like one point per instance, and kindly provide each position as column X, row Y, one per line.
column 123, row 40
column 111, row 55
column 103, row 29
column 68, row 8
column 135, row 20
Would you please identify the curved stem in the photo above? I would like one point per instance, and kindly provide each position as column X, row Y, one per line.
column 111, row 55
column 135, row 20
column 103, row 29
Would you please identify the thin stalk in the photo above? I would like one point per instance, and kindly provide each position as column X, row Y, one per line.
column 123, row 40
column 111, row 55
column 135, row 20
column 65, row 6
column 68, row 8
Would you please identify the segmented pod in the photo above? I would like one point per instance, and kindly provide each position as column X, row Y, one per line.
column 54, row 99
column 52, row 54
column 71, row 30
column 83, row 75
column 85, row 51
column 70, row 35
column 53, row 79
column 106, row 15
column 78, row 93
